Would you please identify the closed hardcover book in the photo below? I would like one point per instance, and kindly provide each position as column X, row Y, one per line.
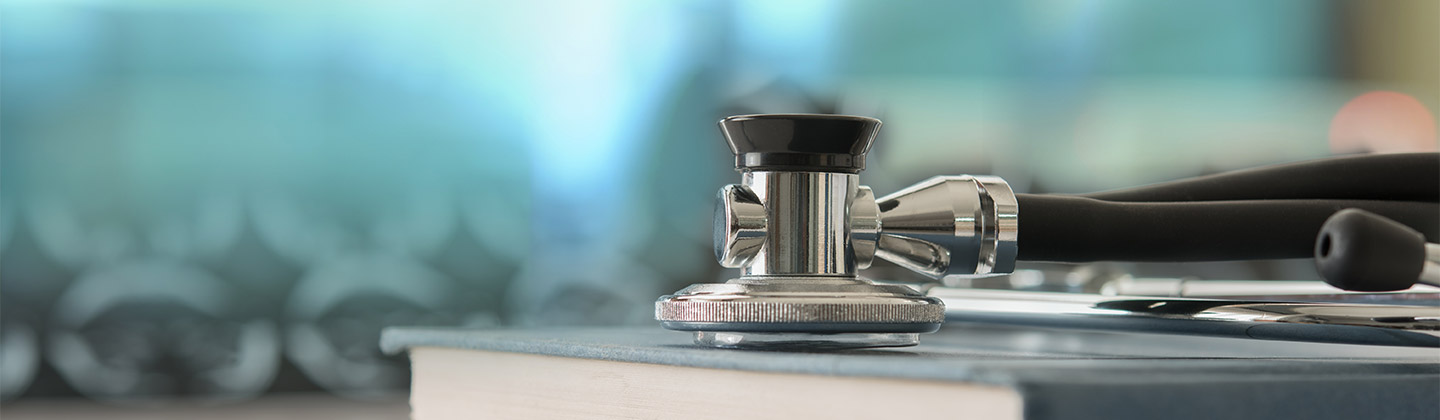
column 964, row 372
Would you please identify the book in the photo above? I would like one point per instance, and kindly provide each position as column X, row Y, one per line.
column 964, row 371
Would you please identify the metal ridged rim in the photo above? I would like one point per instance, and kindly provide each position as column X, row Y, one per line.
column 920, row 311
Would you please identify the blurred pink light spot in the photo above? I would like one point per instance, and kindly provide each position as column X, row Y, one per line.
column 1383, row 122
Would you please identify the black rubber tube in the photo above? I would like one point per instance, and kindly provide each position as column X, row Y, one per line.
column 1391, row 177
column 1078, row 229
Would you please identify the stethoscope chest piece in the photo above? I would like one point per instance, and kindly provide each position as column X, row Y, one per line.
column 800, row 225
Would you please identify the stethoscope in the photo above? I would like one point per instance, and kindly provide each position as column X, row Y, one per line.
column 799, row 226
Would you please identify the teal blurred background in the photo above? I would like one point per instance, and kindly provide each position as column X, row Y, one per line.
column 217, row 200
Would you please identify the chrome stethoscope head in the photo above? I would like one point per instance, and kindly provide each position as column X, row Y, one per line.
column 799, row 226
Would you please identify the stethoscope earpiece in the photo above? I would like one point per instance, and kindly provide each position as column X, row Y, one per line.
column 1361, row 251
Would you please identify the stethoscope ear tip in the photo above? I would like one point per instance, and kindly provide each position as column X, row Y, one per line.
column 1361, row 251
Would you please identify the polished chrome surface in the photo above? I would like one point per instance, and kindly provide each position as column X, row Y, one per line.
column 808, row 228
column 799, row 238
column 740, row 224
column 1266, row 290
column 799, row 300
column 951, row 226
column 1414, row 325
column 1006, row 213
column 864, row 227
column 799, row 233
column 804, row 341
column 1430, row 273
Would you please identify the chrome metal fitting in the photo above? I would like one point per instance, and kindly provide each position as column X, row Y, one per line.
column 962, row 225
column 800, row 226
column 800, row 305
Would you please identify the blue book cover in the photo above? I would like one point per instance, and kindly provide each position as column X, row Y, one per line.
column 1048, row 373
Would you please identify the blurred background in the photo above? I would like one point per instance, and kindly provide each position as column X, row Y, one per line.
column 206, row 203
